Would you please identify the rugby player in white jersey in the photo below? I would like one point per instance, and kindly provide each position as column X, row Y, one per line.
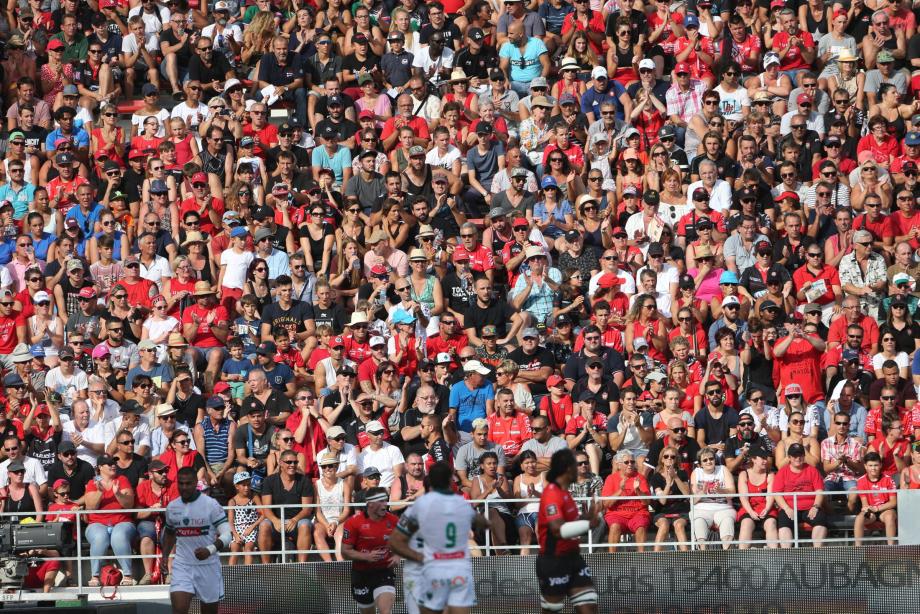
column 192, row 521
column 443, row 520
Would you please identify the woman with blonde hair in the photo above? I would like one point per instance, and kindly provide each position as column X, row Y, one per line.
column 333, row 494
column 257, row 39
column 670, row 480
column 580, row 50
column 505, row 376
column 282, row 441
column 167, row 211
column 109, row 136
column 178, row 288
column 184, row 141
column 239, row 198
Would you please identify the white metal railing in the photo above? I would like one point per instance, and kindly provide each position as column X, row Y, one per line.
column 284, row 553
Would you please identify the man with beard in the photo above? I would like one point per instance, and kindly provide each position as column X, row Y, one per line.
column 476, row 58
column 72, row 469
column 294, row 316
column 488, row 309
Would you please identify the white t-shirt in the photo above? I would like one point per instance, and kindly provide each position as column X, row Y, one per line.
column 35, row 473
column 67, row 386
column 158, row 269
column 432, row 158
column 192, row 115
column 141, row 432
column 347, row 458
column 236, row 266
column 94, row 434
column 384, row 460
column 153, row 23
column 151, row 43
column 730, row 103
column 628, row 285
column 162, row 115
column 720, row 197
column 424, row 61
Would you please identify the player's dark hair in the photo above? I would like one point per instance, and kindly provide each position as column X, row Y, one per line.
column 561, row 463
column 440, row 475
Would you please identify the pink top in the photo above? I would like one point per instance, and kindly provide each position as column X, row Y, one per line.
column 709, row 289
column 381, row 107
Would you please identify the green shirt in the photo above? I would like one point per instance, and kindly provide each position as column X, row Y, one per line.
column 76, row 51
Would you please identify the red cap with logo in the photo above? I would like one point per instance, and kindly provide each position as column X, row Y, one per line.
column 681, row 67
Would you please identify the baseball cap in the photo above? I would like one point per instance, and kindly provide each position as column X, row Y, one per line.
column 484, row 128
column 65, row 446
column 656, row 249
column 158, row 186
column 567, row 99
column 912, row 139
column 768, row 305
column 796, row 450
column 476, row 34
column 474, row 366
column 730, row 300
column 239, row 231
column 267, row 348
column 682, row 67
column 443, row 358
column 242, row 476
column 374, row 426
column 376, row 340
column 553, row 380
column 599, row 72
column 774, row 277
column 884, row 56
column 803, row 98
column 101, row 350
column 586, row 396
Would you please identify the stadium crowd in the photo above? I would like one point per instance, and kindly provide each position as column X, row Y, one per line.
column 309, row 249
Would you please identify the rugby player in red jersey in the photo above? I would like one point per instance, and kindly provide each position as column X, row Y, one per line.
column 366, row 541
column 561, row 570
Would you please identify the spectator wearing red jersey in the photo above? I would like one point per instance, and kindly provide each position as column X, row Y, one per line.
column 358, row 346
column 557, row 405
column 481, row 259
column 799, row 477
column 205, row 325
column 875, row 507
column 209, row 208
column 909, row 159
column 891, row 444
column 623, row 513
column 840, row 328
column 448, row 340
column 795, row 48
column 797, row 358
column 153, row 493
column 879, row 146
column 110, row 492
column 814, row 275
column 586, row 431
column 508, row 427
column 879, row 225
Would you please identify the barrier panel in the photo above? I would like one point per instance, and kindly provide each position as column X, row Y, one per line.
column 868, row 580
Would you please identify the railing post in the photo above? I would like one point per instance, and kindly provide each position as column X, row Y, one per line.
column 795, row 520
column 79, row 550
column 485, row 509
column 283, row 537
column 590, row 533
column 693, row 540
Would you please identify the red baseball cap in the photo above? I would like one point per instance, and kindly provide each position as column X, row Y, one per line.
column 199, row 178
column 461, row 256
column 608, row 280
column 378, row 269
column 337, row 342
column 366, row 114
column 88, row 292
column 787, row 194
column 681, row 67
column 137, row 153
column 520, row 221
column 803, row 97
column 54, row 43
column 220, row 387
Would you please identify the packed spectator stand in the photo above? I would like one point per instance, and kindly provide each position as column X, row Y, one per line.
column 308, row 249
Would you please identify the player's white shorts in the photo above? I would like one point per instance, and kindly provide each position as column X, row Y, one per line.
column 446, row 585
column 412, row 576
column 204, row 581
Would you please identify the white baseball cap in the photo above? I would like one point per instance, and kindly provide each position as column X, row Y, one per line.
column 474, row 366
column 647, row 63
column 599, row 71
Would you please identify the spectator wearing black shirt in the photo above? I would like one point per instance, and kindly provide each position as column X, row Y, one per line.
column 264, row 397
column 490, row 310
column 396, row 64
column 345, row 129
column 295, row 316
column 175, row 47
column 536, row 363
column 73, row 470
column 437, row 22
column 477, row 58
column 328, row 311
column 286, row 73
column 361, row 61
column 295, row 492
column 208, row 68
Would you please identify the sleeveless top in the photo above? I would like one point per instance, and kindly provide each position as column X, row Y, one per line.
column 757, row 503
column 692, row 139
column 501, row 508
column 23, row 508
column 183, row 150
column 427, row 295
column 216, row 443
column 534, row 506
column 817, row 28
column 116, row 248
column 331, row 500
column 711, row 481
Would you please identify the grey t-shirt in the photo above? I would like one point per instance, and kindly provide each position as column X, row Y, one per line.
column 533, row 24
column 467, row 458
column 544, row 450
column 874, row 80
column 485, row 165
column 370, row 193
column 526, row 204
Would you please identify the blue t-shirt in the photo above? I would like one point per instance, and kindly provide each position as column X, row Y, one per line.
column 237, row 367
column 161, row 374
column 19, row 198
column 338, row 162
column 553, row 17
column 279, row 376
column 470, row 404
column 592, row 99
column 525, row 67
column 248, row 331
column 88, row 220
